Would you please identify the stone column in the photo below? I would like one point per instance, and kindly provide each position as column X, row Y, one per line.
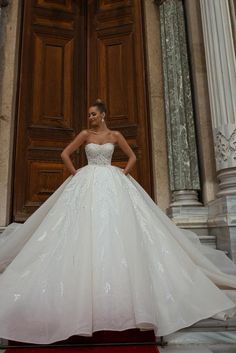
column 182, row 150
column 221, row 73
column 202, row 110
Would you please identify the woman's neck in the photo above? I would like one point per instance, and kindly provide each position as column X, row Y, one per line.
column 99, row 131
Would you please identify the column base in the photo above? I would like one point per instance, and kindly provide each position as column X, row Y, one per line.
column 185, row 198
column 222, row 223
column 190, row 217
column 227, row 182
column 215, row 223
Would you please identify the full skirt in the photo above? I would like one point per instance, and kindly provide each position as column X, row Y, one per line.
column 100, row 254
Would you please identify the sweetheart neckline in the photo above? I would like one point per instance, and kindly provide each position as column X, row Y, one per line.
column 92, row 143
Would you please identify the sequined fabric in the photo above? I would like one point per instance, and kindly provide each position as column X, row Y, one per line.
column 100, row 254
column 95, row 156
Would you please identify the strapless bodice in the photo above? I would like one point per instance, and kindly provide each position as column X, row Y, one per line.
column 99, row 154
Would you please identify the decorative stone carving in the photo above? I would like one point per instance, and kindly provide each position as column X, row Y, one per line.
column 225, row 149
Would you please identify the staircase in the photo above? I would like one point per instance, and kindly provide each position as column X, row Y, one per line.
column 205, row 336
column 208, row 335
column 209, row 240
column 214, row 336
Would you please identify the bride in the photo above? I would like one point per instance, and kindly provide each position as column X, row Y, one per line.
column 100, row 254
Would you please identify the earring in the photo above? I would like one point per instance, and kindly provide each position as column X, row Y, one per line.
column 102, row 119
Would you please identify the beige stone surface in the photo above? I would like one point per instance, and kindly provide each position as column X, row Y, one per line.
column 9, row 43
column 156, row 102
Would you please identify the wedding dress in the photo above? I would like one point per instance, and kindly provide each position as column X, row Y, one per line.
column 100, row 254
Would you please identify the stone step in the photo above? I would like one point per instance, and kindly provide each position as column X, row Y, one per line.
column 198, row 348
column 2, row 229
column 216, row 335
column 209, row 240
column 214, row 330
column 208, row 331
column 213, row 324
column 185, row 349
column 222, row 348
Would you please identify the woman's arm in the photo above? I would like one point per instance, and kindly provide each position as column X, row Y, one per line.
column 123, row 144
column 65, row 155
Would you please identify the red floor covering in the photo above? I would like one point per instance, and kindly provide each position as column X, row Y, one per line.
column 100, row 337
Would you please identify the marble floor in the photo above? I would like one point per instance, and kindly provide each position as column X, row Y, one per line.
column 220, row 348
column 201, row 342
column 185, row 349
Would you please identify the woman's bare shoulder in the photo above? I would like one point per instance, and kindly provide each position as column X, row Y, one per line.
column 117, row 134
column 82, row 135
column 84, row 132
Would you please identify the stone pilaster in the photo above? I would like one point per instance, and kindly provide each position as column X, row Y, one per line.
column 221, row 74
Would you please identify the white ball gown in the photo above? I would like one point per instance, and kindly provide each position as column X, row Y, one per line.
column 100, row 254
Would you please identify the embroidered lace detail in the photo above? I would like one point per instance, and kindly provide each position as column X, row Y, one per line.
column 99, row 154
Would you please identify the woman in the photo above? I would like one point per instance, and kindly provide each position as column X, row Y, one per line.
column 96, row 115
column 99, row 254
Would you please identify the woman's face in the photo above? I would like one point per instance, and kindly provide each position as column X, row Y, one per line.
column 94, row 116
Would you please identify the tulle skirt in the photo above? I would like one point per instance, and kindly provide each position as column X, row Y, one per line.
column 100, row 254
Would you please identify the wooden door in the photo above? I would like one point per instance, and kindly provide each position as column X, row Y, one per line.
column 72, row 53
column 51, row 98
column 117, row 73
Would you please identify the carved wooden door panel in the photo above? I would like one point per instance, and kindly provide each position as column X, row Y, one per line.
column 51, row 98
column 117, row 74
column 73, row 52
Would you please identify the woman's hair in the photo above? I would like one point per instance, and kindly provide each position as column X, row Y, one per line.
column 100, row 105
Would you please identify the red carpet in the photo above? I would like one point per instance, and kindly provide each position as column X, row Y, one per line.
column 110, row 349
column 99, row 337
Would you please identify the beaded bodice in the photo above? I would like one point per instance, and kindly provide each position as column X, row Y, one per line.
column 99, row 154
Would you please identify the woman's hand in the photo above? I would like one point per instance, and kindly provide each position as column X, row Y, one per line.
column 75, row 172
column 65, row 155
column 124, row 172
column 123, row 144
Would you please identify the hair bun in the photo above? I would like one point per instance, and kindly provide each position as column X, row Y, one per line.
column 100, row 104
